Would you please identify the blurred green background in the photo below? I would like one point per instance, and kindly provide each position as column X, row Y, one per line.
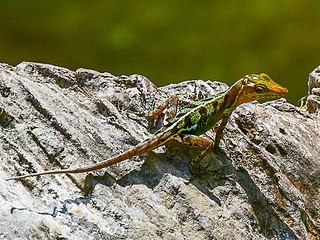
column 168, row 41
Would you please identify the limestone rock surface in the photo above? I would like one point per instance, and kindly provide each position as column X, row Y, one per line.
column 313, row 98
column 263, row 183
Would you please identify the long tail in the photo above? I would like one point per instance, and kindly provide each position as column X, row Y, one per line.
column 143, row 147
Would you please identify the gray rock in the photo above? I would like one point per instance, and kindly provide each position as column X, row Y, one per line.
column 313, row 98
column 263, row 183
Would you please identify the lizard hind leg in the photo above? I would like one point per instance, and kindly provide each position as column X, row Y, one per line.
column 201, row 142
column 163, row 114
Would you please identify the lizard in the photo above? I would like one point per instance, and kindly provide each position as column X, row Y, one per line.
column 193, row 121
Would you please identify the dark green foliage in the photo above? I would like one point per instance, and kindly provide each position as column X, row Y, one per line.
column 168, row 41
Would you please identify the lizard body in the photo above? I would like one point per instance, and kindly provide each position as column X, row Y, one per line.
column 193, row 121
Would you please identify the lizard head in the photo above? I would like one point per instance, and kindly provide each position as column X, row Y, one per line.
column 258, row 86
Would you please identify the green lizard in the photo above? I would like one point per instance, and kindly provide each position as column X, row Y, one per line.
column 193, row 121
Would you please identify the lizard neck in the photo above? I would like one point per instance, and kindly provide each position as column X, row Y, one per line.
column 229, row 101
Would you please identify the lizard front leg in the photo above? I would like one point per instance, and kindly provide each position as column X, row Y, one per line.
column 164, row 113
column 219, row 131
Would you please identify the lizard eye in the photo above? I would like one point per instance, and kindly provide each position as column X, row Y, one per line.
column 260, row 88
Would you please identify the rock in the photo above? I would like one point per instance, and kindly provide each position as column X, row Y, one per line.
column 263, row 183
column 313, row 98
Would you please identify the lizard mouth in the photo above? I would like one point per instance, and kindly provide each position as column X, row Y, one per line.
column 273, row 96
